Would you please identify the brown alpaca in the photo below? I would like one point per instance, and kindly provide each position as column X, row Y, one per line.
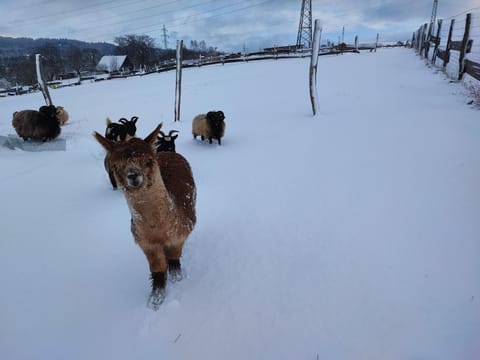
column 160, row 192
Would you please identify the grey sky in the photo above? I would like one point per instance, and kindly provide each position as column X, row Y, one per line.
column 228, row 24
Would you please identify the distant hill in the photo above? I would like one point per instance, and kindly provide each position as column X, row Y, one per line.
column 13, row 47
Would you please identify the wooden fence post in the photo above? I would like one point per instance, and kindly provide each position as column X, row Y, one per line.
column 356, row 43
column 178, row 84
column 376, row 42
column 41, row 83
column 317, row 33
column 449, row 44
column 437, row 41
column 464, row 46
column 423, row 39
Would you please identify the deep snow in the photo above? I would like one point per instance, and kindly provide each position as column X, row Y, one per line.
column 354, row 234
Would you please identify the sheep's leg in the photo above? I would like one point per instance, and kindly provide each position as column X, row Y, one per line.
column 219, row 141
column 173, row 254
column 210, row 140
column 202, row 137
column 158, row 269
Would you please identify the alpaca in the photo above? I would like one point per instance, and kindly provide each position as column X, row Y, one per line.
column 160, row 192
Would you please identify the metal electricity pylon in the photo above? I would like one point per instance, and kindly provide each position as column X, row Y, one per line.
column 304, row 37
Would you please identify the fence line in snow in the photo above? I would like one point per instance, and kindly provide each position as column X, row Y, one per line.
column 453, row 45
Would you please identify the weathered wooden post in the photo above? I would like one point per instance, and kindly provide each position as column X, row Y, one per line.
column 463, row 49
column 449, row 44
column 178, row 84
column 437, row 41
column 356, row 43
column 41, row 83
column 376, row 42
column 317, row 33
column 423, row 39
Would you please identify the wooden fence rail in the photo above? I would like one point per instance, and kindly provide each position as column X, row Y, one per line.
column 459, row 50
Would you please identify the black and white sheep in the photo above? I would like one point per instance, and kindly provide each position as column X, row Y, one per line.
column 37, row 125
column 123, row 130
column 166, row 142
column 209, row 126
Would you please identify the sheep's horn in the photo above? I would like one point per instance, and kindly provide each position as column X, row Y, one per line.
column 134, row 119
column 172, row 132
column 161, row 133
column 123, row 120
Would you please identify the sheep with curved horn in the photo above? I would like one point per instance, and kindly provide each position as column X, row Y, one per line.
column 166, row 142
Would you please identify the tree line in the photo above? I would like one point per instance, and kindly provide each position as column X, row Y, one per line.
column 59, row 60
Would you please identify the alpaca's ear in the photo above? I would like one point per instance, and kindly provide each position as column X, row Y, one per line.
column 107, row 144
column 152, row 138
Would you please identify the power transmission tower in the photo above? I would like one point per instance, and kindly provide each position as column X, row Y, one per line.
column 165, row 37
column 304, row 37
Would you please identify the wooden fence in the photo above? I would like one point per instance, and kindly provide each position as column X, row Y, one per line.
column 452, row 44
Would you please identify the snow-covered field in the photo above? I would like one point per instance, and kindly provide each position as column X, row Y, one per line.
column 354, row 234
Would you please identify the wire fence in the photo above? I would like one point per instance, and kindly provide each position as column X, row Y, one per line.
column 453, row 45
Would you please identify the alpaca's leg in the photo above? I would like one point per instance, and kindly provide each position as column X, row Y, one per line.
column 158, row 269
column 173, row 254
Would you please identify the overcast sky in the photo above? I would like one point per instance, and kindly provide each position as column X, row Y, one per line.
column 230, row 25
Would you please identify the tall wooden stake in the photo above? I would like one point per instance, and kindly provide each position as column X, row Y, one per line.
column 317, row 33
column 41, row 83
column 178, row 86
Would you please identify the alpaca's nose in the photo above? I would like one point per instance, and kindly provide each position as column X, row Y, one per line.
column 134, row 178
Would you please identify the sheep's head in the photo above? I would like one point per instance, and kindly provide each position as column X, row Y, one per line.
column 132, row 162
column 49, row 111
column 166, row 142
column 130, row 125
column 62, row 115
column 215, row 118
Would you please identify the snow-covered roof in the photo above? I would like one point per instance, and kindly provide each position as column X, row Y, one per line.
column 111, row 62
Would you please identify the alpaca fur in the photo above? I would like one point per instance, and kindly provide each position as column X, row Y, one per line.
column 37, row 125
column 62, row 115
column 209, row 126
column 161, row 195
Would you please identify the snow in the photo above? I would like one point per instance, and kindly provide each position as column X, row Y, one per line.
column 353, row 234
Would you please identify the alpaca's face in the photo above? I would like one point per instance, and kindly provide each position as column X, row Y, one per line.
column 133, row 165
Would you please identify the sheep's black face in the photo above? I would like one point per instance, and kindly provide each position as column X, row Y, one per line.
column 48, row 111
column 166, row 144
column 131, row 129
column 215, row 119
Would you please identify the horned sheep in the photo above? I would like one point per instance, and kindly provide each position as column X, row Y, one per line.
column 209, row 126
column 160, row 192
column 121, row 131
column 41, row 125
column 166, row 142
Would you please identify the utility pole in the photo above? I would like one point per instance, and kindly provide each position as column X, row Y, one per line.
column 165, row 37
column 433, row 17
column 304, row 36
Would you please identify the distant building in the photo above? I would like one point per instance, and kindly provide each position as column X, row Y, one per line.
column 112, row 63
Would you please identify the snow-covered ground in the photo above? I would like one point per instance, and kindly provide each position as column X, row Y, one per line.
column 354, row 234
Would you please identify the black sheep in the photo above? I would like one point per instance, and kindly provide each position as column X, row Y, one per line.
column 123, row 130
column 37, row 125
column 166, row 142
